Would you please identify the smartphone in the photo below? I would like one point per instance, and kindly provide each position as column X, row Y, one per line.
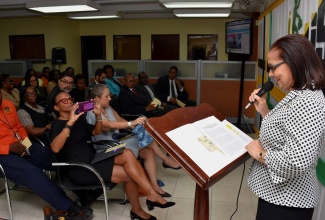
column 85, row 106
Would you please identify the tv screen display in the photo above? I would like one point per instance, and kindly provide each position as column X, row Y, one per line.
column 239, row 36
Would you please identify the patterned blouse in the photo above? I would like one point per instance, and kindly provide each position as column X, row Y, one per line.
column 293, row 135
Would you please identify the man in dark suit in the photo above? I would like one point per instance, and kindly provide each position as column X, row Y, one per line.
column 170, row 89
column 132, row 104
column 100, row 76
column 147, row 92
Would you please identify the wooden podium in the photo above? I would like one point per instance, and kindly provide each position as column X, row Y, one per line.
column 158, row 127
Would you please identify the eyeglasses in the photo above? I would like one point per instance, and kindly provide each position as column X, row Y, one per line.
column 273, row 67
column 65, row 100
column 130, row 81
column 29, row 94
column 66, row 83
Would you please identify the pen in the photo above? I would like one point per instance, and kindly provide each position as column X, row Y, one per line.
column 27, row 151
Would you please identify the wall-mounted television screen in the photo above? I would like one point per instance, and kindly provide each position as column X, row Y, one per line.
column 239, row 36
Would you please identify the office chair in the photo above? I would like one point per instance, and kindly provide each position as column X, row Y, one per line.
column 3, row 175
column 65, row 183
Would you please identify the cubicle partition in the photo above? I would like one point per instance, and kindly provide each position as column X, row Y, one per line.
column 213, row 82
column 16, row 69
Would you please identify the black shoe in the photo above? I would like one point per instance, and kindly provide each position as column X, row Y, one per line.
column 151, row 205
column 166, row 195
column 135, row 216
column 90, row 196
column 167, row 166
column 77, row 211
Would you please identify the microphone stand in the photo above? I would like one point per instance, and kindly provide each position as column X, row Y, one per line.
column 241, row 90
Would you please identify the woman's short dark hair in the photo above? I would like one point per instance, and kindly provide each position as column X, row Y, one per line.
column 78, row 77
column 97, row 90
column 23, row 91
column 27, row 80
column 3, row 78
column 303, row 61
column 52, row 75
column 109, row 67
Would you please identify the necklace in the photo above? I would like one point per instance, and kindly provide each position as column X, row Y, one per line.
column 104, row 112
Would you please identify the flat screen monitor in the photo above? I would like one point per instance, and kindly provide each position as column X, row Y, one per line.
column 239, row 36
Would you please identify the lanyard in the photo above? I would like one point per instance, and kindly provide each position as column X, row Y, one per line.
column 16, row 135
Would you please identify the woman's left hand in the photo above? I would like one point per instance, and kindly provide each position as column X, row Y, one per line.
column 254, row 148
column 97, row 107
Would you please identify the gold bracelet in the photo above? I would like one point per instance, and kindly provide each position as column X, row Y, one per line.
column 66, row 131
column 99, row 119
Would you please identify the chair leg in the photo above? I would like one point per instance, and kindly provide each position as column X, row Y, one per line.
column 7, row 193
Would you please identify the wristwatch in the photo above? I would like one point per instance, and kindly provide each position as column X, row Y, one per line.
column 67, row 126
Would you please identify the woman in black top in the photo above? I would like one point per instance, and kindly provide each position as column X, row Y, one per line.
column 70, row 133
column 35, row 118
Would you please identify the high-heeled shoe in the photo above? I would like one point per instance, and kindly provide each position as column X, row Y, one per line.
column 135, row 216
column 151, row 205
column 167, row 166
column 166, row 195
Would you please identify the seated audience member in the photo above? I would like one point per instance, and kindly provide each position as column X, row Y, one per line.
column 31, row 72
column 131, row 104
column 70, row 134
column 35, row 118
column 65, row 84
column 169, row 88
column 100, row 76
column 146, row 91
column 111, row 124
column 27, row 170
column 40, row 91
column 79, row 92
column 112, row 82
column 70, row 70
column 45, row 76
column 8, row 90
column 53, row 80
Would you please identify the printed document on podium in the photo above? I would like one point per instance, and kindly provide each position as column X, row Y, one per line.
column 210, row 143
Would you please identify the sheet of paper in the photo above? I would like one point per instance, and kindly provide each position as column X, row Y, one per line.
column 155, row 102
column 26, row 142
column 180, row 104
column 225, row 135
column 210, row 155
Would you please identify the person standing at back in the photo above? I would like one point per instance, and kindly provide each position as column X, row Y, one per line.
column 283, row 173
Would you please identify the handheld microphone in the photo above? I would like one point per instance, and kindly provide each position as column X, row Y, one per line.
column 268, row 86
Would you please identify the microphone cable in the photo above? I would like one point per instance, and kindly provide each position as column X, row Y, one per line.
column 241, row 183
column 242, row 176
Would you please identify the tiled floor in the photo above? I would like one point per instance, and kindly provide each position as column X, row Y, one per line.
column 223, row 195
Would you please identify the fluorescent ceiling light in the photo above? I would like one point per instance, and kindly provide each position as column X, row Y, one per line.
column 57, row 6
column 205, row 13
column 94, row 15
column 196, row 4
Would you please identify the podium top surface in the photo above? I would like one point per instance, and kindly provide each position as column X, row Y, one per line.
column 158, row 127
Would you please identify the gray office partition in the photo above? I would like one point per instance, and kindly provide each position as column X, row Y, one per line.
column 13, row 68
column 227, row 70
column 121, row 67
column 187, row 69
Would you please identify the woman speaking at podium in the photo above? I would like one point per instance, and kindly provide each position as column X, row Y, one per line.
column 283, row 174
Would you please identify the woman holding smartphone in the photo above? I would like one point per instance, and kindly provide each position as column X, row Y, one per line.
column 69, row 136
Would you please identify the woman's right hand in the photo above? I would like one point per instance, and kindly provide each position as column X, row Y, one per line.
column 73, row 116
column 141, row 120
column 17, row 148
column 259, row 102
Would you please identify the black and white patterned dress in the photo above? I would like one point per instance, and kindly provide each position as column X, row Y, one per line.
column 293, row 135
